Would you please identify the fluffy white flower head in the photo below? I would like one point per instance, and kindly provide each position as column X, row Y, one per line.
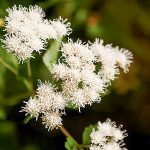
column 31, row 30
column 51, row 120
column 81, row 85
column 108, row 136
column 61, row 28
column 47, row 103
column 32, row 108
column 111, row 58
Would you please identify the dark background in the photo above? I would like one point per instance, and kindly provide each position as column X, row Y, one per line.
column 125, row 23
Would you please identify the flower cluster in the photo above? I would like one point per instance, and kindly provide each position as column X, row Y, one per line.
column 84, row 69
column 107, row 136
column 48, row 103
column 111, row 58
column 27, row 30
column 81, row 84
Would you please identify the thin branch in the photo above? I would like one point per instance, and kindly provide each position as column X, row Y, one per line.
column 68, row 135
column 65, row 132
column 8, row 66
column 30, row 77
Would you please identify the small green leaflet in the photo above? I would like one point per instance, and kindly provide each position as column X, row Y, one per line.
column 71, row 144
column 86, row 134
column 51, row 55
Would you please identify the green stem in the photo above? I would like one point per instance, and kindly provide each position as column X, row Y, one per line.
column 30, row 78
column 68, row 135
column 15, row 72
column 8, row 67
column 65, row 132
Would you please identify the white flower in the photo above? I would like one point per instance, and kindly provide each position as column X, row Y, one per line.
column 51, row 120
column 36, row 13
column 81, row 85
column 46, row 31
column 124, row 59
column 112, row 146
column 62, row 28
column 97, row 138
column 60, row 71
column 95, row 147
column 108, row 136
column 50, row 100
column 108, row 72
column 47, row 102
column 111, row 58
column 31, row 30
column 32, row 107
column 21, row 48
column 79, row 50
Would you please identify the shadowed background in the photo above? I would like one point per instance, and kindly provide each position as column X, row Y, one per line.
column 125, row 23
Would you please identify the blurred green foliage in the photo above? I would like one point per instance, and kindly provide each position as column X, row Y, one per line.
column 122, row 22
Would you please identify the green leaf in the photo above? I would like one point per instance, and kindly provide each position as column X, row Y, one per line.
column 51, row 55
column 27, row 119
column 86, row 134
column 71, row 144
column 70, row 105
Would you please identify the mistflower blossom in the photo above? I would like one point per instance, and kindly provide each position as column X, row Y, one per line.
column 62, row 28
column 49, row 98
column 111, row 58
column 32, row 107
column 47, row 103
column 27, row 30
column 81, row 85
column 107, row 136
column 51, row 120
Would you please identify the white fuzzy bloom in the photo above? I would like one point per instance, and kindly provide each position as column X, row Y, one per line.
column 51, row 120
column 79, row 50
column 50, row 100
column 31, row 30
column 95, row 147
column 62, row 28
column 46, row 31
column 81, row 85
column 124, row 59
column 107, row 136
column 60, row 71
column 47, row 103
column 96, row 137
column 32, row 107
column 111, row 58
column 112, row 146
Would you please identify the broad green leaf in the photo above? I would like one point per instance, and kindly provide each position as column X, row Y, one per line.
column 86, row 134
column 71, row 144
column 51, row 55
